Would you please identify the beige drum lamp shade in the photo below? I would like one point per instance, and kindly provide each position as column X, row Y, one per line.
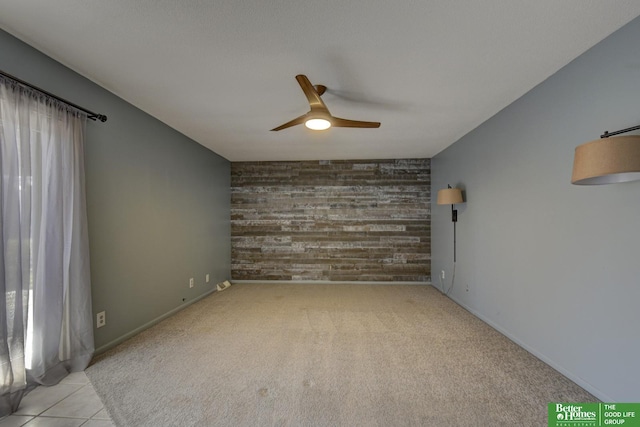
column 449, row 196
column 606, row 161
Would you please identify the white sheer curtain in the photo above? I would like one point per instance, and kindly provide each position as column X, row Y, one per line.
column 45, row 291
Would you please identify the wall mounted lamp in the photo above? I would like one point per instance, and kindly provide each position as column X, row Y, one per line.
column 451, row 196
column 608, row 160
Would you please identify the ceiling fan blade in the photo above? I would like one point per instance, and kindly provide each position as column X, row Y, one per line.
column 313, row 97
column 344, row 123
column 296, row 121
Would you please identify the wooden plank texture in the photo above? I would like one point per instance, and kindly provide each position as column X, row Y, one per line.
column 332, row 220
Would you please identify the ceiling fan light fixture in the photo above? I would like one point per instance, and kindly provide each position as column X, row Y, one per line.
column 319, row 117
column 317, row 123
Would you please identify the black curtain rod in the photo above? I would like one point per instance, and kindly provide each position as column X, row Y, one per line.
column 90, row 114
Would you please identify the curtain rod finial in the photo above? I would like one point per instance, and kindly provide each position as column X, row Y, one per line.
column 100, row 117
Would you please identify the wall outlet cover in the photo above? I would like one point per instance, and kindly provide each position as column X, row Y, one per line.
column 101, row 319
column 224, row 285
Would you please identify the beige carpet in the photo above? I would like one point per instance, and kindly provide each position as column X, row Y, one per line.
column 326, row 355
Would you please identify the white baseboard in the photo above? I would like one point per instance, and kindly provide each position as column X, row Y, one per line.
column 325, row 282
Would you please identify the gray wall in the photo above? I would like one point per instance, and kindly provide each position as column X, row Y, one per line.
column 350, row 220
column 556, row 267
column 158, row 203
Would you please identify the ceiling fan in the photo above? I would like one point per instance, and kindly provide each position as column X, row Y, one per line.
column 319, row 117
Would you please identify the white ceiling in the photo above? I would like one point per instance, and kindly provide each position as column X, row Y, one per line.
column 223, row 72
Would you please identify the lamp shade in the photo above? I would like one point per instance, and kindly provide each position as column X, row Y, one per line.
column 607, row 161
column 449, row 196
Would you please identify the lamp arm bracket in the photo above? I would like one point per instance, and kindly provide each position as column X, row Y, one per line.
column 607, row 134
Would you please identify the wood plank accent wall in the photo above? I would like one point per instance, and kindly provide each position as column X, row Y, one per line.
column 353, row 220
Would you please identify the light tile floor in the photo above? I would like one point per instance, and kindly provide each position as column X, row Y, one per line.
column 71, row 403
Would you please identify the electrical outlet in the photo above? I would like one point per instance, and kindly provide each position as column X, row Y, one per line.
column 224, row 285
column 206, row 278
column 101, row 319
column 442, row 274
column 191, row 282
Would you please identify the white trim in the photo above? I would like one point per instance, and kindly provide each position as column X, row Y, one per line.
column 324, row 282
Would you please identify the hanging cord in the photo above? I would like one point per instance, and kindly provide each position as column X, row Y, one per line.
column 454, row 218
column 453, row 278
